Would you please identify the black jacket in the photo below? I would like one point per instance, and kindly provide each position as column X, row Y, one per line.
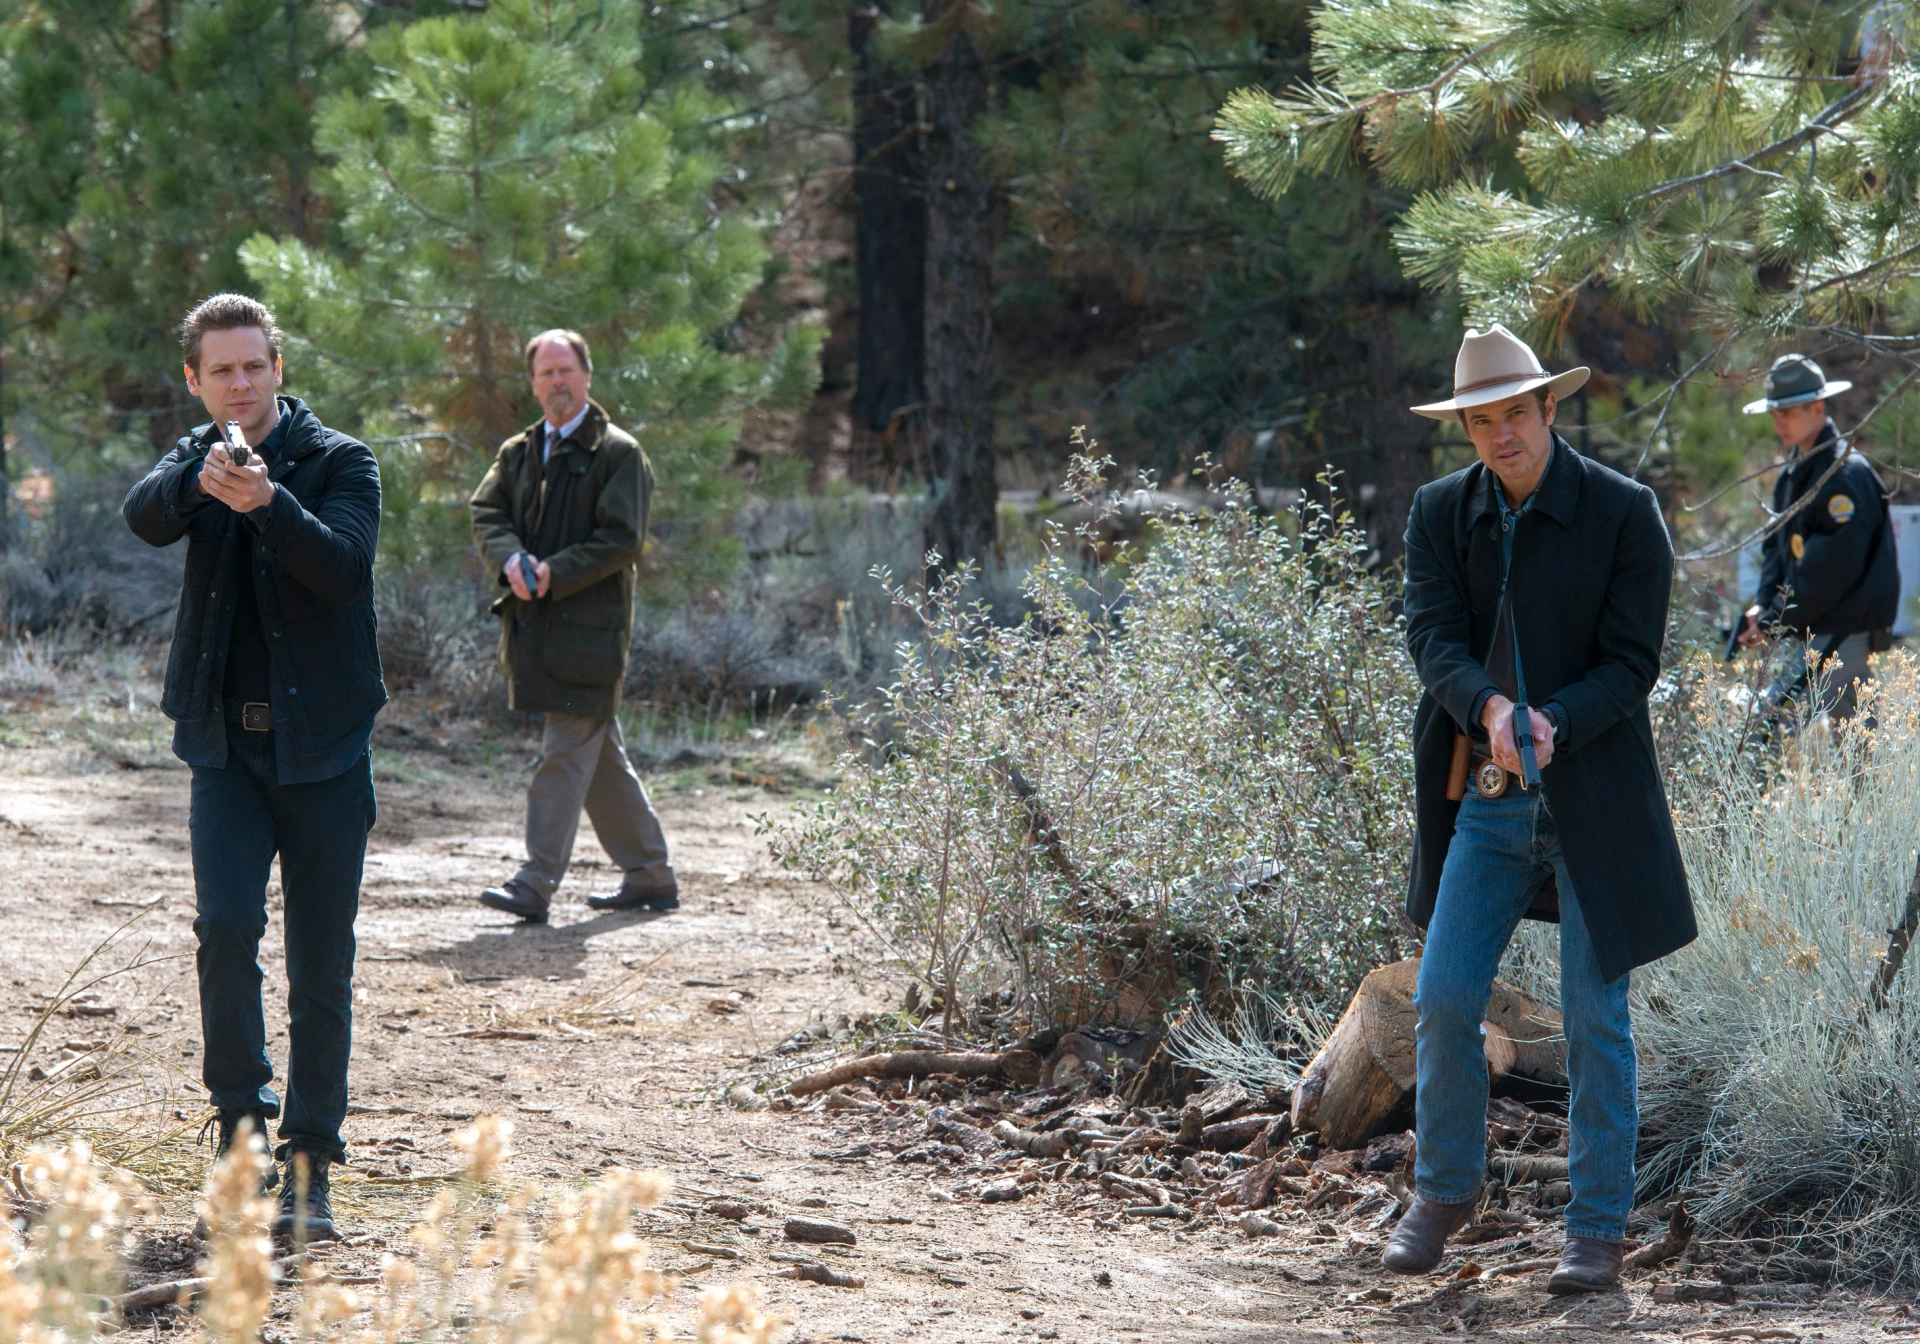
column 314, row 585
column 1592, row 573
column 1831, row 570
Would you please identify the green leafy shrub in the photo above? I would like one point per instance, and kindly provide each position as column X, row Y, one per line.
column 1190, row 774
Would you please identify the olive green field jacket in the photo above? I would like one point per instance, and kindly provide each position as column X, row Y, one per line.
column 585, row 514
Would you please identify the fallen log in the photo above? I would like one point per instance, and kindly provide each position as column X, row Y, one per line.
column 1016, row 1066
column 1362, row 1079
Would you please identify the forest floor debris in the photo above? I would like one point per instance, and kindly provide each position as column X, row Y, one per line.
column 1087, row 1256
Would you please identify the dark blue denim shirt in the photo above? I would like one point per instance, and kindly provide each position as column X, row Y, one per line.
column 203, row 742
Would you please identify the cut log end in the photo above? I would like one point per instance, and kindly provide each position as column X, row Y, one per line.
column 1361, row 1081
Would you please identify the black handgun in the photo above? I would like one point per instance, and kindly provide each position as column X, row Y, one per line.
column 236, row 444
column 527, row 575
column 1523, row 739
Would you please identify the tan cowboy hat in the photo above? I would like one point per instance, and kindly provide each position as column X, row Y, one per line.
column 1493, row 365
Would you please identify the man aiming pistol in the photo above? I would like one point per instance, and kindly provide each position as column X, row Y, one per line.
column 273, row 683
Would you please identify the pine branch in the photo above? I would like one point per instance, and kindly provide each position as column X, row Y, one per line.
column 1820, row 125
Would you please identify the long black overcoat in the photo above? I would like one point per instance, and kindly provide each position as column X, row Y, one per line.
column 1591, row 576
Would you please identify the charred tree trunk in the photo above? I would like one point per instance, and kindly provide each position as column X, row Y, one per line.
column 890, row 232
column 959, row 296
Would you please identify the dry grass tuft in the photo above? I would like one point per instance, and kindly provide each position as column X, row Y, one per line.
column 481, row 1268
column 240, row 1255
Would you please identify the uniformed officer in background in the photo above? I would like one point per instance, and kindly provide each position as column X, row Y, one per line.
column 1829, row 579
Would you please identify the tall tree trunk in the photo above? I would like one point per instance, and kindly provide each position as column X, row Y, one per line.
column 297, row 160
column 6, row 484
column 961, row 524
column 890, row 232
column 1397, row 445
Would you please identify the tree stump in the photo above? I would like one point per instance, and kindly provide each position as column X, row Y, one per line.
column 1361, row 1082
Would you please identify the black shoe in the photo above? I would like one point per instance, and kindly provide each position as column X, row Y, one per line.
column 227, row 1126
column 227, row 1123
column 658, row 897
column 312, row 1220
column 516, row 899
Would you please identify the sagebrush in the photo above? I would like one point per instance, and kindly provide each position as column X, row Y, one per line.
column 1187, row 775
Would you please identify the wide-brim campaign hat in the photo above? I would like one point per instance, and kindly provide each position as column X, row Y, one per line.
column 1493, row 365
column 1795, row 380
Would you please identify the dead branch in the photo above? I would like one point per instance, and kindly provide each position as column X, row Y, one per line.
column 827, row 1274
column 1016, row 1066
column 157, row 1295
column 1897, row 942
column 1671, row 1243
column 1521, row 1170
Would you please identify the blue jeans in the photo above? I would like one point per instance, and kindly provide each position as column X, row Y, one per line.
column 1502, row 848
column 241, row 817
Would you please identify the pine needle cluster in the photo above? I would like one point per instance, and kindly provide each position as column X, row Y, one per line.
column 1752, row 163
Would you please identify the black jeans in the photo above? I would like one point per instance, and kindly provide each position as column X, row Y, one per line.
column 241, row 817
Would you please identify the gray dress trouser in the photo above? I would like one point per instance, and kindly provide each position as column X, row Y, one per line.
column 585, row 765
column 1832, row 686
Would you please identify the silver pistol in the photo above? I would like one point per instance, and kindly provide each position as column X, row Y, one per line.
column 237, row 444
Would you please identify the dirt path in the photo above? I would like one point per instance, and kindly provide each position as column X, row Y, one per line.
column 629, row 1063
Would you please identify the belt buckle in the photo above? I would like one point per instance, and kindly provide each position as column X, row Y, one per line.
column 1490, row 780
column 256, row 717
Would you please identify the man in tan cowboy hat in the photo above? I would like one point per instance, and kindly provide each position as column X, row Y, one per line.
column 1829, row 578
column 1535, row 578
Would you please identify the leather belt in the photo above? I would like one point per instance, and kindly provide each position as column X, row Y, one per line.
column 253, row 715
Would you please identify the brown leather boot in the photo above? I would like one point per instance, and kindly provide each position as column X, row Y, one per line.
column 1586, row 1266
column 1421, row 1238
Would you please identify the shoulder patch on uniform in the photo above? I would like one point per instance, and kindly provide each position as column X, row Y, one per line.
column 1798, row 545
column 1841, row 507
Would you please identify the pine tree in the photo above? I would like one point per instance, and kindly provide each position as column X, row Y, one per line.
column 506, row 172
column 1750, row 169
column 1273, row 338
column 44, row 119
column 963, row 492
column 149, row 137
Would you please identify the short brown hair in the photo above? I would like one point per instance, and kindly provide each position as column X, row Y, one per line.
column 1540, row 395
column 572, row 338
column 226, row 312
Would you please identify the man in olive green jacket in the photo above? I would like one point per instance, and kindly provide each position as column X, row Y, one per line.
column 560, row 520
